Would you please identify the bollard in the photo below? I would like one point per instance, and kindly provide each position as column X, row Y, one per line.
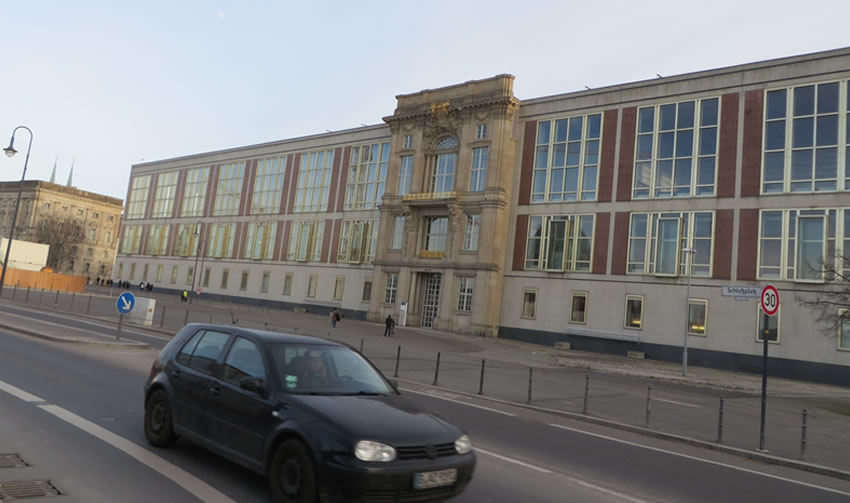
column 648, row 402
column 56, row 301
column 266, row 325
column 530, row 380
column 397, row 358
column 40, row 296
column 27, row 298
column 88, row 306
column 14, row 291
column 437, row 369
column 73, row 296
column 803, row 436
column 720, row 423
column 481, row 382
column 586, row 391
column 186, row 318
column 211, row 315
column 361, row 345
column 162, row 318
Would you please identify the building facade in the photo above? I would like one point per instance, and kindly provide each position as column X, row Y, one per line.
column 614, row 218
column 81, row 227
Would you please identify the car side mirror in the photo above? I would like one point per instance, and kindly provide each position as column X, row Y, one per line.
column 254, row 384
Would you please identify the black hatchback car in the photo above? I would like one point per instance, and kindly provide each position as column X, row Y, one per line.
column 313, row 416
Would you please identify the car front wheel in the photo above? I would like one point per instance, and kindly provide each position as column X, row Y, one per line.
column 158, row 426
column 292, row 476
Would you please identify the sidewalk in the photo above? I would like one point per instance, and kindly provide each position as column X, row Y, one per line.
column 617, row 387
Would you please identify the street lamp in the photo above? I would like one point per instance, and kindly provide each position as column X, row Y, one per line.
column 689, row 259
column 10, row 152
column 197, row 254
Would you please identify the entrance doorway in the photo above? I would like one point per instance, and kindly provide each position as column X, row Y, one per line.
column 431, row 298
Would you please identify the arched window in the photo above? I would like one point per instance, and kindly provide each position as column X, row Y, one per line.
column 447, row 143
column 443, row 172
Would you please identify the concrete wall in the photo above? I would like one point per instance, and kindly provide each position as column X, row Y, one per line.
column 25, row 255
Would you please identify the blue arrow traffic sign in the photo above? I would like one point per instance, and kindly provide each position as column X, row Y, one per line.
column 126, row 302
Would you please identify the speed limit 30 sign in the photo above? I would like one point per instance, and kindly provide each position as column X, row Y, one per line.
column 769, row 300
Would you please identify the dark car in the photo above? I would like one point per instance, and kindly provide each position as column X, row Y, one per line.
column 313, row 416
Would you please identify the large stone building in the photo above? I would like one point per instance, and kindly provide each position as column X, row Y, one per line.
column 613, row 218
column 80, row 227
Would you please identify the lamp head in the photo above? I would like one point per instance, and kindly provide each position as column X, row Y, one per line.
column 10, row 151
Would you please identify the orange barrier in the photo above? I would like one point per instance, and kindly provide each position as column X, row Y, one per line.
column 44, row 279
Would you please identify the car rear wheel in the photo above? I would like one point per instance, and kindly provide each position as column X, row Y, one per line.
column 292, row 476
column 158, row 426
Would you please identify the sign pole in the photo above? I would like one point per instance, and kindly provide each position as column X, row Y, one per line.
column 770, row 307
column 120, row 322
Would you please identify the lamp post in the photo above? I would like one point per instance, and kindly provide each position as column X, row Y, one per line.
column 689, row 259
column 10, row 152
column 197, row 255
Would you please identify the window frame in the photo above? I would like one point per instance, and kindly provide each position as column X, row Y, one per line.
column 573, row 295
column 391, row 288
column 262, row 249
column 268, row 185
column 760, row 317
column 472, row 233
column 195, row 202
column 478, row 171
column 465, row 290
column 314, row 180
column 843, row 319
column 339, row 288
column 228, row 192
column 695, row 301
column 364, row 233
column 138, row 200
column 528, row 291
column 312, row 286
column 397, row 236
column 632, row 297
column 266, row 280
column 572, row 239
column 363, row 191
column 165, row 194
column 549, row 148
column 405, row 175
column 686, row 265
column 834, row 237
column 311, row 251
column 287, row 283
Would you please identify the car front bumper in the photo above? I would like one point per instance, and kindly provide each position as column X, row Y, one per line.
column 356, row 481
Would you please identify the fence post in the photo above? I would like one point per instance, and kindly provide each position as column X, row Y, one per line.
column 720, row 423
column 648, row 402
column 586, row 391
column 88, row 306
column 530, row 381
column 481, row 382
column 56, row 301
column 162, row 318
column 437, row 369
column 361, row 345
column 211, row 316
column 73, row 296
column 14, row 291
column 397, row 358
column 27, row 298
column 186, row 318
column 41, row 296
column 803, row 436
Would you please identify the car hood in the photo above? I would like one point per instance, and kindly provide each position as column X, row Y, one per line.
column 392, row 419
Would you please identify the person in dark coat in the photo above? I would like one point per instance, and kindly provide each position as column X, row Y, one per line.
column 390, row 324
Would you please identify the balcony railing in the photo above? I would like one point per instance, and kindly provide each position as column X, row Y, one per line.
column 431, row 254
column 428, row 196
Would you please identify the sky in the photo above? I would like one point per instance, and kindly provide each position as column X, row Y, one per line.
column 108, row 84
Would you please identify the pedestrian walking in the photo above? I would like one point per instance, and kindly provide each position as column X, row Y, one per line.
column 184, row 297
column 390, row 324
column 335, row 317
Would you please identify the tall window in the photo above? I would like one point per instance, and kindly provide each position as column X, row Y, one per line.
column 207, row 273
column 481, row 132
column 221, row 240
column 470, row 236
column 312, row 285
column 443, row 171
column 190, row 276
column 578, row 308
column 676, row 150
column 174, row 271
column 367, row 290
column 243, row 284
column 159, row 269
column 287, row 284
column 158, row 240
column 567, row 162
column 560, row 242
column 657, row 241
column 804, row 148
column 120, row 271
column 844, row 330
column 268, row 185
column 260, row 240
column 408, row 141
column 228, row 194
column 392, row 288
column 305, row 241
column 478, row 177
column 367, row 176
column 339, row 287
column 436, row 231
column 195, row 192
column 225, row 277
column 314, row 180
column 464, row 294
column 802, row 244
column 634, row 312
column 398, row 233
column 138, row 197
column 187, row 239
column 132, row 239
column 405, row 174
column 697, row 316
column 529, row 303
column 358, row 240
column 166, row 188
column 771, row 329
column 145, row 271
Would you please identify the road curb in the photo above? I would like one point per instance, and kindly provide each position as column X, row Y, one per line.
column 745, row 453
column 90, row 317
column 67, row 340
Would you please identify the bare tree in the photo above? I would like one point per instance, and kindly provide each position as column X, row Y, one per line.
column 63, row 238
column 831, row 304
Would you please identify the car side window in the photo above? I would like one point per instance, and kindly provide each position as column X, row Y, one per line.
column 185, row 354
column 243, row 360
column 207, row 351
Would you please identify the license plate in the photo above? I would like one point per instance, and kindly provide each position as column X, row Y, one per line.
column 426, row 480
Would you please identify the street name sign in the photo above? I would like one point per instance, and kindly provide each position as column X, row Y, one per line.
column 126, row 302
column 741, row 292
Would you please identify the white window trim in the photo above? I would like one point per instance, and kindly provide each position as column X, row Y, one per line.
column 693, row 300
column 690, row 241
column 581, row 166
column 522, row 304
column 626, row 312
column 568, row 236
column 573, row 295
column 841, row 321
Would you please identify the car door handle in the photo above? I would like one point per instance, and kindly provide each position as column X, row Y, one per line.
column 215, row 390
column 175, row 374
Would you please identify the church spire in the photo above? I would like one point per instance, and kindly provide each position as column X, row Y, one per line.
column 71, row 174
column 53, row 174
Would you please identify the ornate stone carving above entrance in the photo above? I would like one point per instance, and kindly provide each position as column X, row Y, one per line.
column 444, row 119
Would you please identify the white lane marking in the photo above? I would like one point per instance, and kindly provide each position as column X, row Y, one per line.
column 19, row 393
column 87, row 323
column 703, row 460
column 511, row 460
column 182, row 478
column 683, row 404
column 432, row 395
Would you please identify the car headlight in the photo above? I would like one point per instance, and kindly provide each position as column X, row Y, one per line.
column 366, row 450
column 463, row 444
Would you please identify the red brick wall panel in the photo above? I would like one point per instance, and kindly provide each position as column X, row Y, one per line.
column 326, row 243
column 284, row 249
column 748, row 244
column 621, row 242
column 293, row 181
column 335, row 175
column 151, row 194
column 727, row 156
column 335, row 241
column 287, row 184
column 520, row 240
column 723, row 244
column 212, row 187
column 278, row 240
column 343, row 179
column 753, row 120
column 627, row 154
column 247, row 187
column 609, row 148
column 179, row 193
column 600, row 245
column 527, row 164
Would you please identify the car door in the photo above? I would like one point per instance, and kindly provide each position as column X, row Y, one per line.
column 191, row 376
column 242, row 417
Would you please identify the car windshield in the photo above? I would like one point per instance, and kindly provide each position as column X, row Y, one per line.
column 326, row 370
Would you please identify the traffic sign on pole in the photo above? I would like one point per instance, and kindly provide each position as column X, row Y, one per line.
column 769, row 300
column 125, row 303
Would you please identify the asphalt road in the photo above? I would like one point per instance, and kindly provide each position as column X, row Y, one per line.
column 82, row 427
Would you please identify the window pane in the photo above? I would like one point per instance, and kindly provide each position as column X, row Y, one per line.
column 801, row 165
column 708, row 141
column 594, row 124
column 696, row 318
column 575, row 128
column 804, row 101
column 826, row 165
column 686, row 115
column 828, row 130
column 771, row 224
column 634, row 311
column 810, row 252
column 775, row 135
column 577, row 310
column 668, row 246
column 644, row 147
column 668, row 118
column 828, row 98
column 844, row 343
column 774, row 166
column 684, row 143
column 646, row 120
column 543, row 133
column 706, row 171
column 803, row 132
column 709, row 112
column 665, row 144
column 776, row 104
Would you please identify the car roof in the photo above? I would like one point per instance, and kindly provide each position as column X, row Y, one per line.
column 268, row 336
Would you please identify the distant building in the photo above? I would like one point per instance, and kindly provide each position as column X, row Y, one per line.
column 80, row 227
column 25, row 255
